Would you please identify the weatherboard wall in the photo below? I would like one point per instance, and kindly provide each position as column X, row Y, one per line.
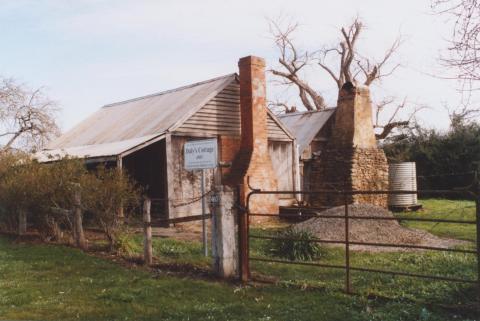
column 220, row 118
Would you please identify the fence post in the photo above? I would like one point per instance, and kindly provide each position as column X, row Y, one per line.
column 78, row 221
column 347, row 245
column 22, row 222
column 243, row 236
column 224, row 242
column 147, row 233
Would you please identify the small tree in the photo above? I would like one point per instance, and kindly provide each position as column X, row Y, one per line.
column 106, row 193
column 60, row 197
column 27, row 117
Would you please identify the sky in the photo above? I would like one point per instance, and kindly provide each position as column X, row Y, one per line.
column 86, row 53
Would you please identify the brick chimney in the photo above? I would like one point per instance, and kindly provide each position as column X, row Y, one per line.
column 351, row 159
column 253, row 159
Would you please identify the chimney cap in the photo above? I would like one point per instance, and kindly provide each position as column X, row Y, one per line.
column 251, row 60
column 350, row 88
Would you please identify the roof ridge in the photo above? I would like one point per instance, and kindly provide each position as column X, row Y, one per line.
column 170, row 90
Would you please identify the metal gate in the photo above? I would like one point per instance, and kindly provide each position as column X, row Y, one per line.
column 245, row 235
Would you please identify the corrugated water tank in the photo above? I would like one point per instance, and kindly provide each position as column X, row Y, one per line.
column 402, row 177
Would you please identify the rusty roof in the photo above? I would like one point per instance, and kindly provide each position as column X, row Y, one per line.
column 120, row 126
column 305, row 125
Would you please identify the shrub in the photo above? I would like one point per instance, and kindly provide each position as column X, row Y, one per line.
column 125, row 244
column 105, row 193
column 296, row 245
column 47, row 193
column 445, row 160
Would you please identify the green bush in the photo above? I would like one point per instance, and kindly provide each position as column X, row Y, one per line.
column 126, row 245
column 46, row 192
column 445, row 160
column 296, row 245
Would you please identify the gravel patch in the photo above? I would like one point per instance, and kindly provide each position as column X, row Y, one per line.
column 372, row 231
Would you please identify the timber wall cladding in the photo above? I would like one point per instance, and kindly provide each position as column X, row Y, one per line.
column 221, row 116
column 281, row 155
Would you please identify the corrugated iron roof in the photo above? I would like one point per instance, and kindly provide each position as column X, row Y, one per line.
column 117, row 127
column 94, row 151
column 305, row 125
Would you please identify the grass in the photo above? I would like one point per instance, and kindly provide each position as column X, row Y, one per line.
column 48, row 282
column 433, row 263
column 446, row 209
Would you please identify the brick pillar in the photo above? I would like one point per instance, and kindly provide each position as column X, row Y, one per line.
column 253, row 159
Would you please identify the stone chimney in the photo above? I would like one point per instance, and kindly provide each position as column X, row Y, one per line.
column 351, row 159
column 253, row 159
column 353, row 118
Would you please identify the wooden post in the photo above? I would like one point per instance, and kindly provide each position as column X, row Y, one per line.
column 78, row 222
column 147, row 233
column 170, row 180
column 204, row 212
column 296, row 171
column 22, row 222
column 224, row 242
column 120, row 213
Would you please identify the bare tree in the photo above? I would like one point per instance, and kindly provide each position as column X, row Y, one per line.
column 352, row 65
column 27, row 117
column 465, row 41
column 462, row 56
column 386, row 127
column 343, row 63
column 293, row 62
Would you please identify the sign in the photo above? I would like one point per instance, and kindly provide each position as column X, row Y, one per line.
column 200, row 154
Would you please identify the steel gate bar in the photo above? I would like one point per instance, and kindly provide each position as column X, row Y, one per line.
column 347, row 247
column 245, row 235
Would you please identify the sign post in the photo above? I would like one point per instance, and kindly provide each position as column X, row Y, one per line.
column 201, row 155
column 204, row 228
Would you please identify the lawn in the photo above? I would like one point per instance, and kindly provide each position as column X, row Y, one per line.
column 446, row 209
column 52, row 282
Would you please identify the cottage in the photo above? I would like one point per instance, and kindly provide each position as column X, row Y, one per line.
column 145, row 137
column 312, row 130
column 338, row 149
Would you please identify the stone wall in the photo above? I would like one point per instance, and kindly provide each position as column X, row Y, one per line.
column 351, row 160
column 354, row 168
